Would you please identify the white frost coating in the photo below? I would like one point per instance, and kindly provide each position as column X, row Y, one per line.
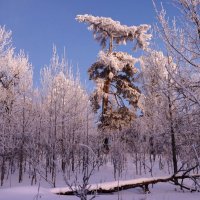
column 162, row 62
column 120, row 33
column 111, row 75
column 100, row 84
column 5, row 40
column 117, row 60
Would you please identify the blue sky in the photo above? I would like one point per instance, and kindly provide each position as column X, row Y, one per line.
column 38, row 24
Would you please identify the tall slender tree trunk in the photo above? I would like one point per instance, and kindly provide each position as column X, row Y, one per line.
column 105, row 98
column 21, row 156
column 2, row 170
column 107, row 82
column 173, row 141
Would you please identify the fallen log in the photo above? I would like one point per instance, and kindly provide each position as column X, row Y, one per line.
column 110, row 187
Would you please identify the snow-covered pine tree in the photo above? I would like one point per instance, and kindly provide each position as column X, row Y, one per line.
column 116, row 95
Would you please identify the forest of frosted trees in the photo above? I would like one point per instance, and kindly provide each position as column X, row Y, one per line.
column 136, row 116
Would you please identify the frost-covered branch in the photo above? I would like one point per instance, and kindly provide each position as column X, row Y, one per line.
column 103, row 28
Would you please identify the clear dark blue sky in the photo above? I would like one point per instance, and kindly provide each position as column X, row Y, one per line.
column 38, row 24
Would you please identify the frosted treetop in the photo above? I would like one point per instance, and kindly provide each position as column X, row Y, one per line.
column 104, row 27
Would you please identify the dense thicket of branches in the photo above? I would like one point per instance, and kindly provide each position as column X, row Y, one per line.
column 172, row 86
column 40, row 129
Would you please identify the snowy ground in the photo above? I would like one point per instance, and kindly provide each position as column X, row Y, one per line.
column 161, row 191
